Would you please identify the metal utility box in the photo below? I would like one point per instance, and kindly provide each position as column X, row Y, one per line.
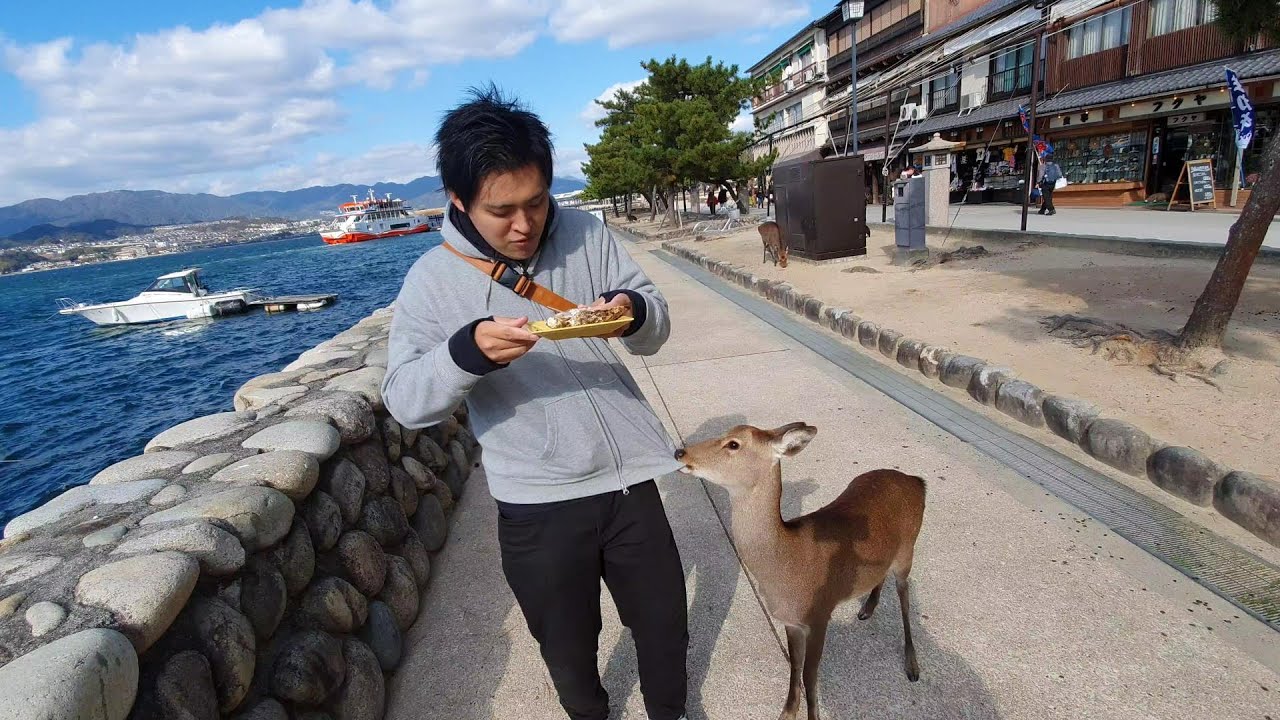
column 822, row 206
column 909, row 213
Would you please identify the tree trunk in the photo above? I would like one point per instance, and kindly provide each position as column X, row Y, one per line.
column 1209, row 318
column 653, row 204
column 615, row 205
column 672, row 207
column 739, row 198
column 626, row 205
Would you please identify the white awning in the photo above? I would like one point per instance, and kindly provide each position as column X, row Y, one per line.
column 1004, row 25
column 1072, row 8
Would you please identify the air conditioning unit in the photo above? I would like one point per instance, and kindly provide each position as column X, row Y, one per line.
column 910, row 112
column 971, row 102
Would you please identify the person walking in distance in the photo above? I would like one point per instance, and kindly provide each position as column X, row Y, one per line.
column 1050, row 174
column 711, row 200
column 570, row 446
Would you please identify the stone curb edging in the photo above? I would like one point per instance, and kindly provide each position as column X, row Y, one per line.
column 1250, row 501
column 256, row 564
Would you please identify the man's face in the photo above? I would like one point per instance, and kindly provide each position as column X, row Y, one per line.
column 510, row 211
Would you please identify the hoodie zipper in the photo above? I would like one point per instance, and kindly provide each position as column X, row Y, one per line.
column 614, row 453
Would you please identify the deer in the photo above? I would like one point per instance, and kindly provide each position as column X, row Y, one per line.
column 771, row 236
column 807, row 566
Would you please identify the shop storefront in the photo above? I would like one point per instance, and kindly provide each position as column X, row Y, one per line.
column 1135, row 151
column 991, row 168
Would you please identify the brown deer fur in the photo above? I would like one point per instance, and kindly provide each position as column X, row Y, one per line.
column 774, row 249
column 805, row 567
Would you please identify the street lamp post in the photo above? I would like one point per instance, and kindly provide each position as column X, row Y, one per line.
column 853, row 11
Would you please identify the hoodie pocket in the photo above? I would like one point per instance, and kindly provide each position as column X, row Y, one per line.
column 636, row 430
column 575, row 445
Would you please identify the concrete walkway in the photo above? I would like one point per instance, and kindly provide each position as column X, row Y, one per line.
column 1143, row 223
column 1023, row 607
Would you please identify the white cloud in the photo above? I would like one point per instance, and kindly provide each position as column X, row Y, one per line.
column 399, row 162
column 634, row 22
column 568, row 161
column 228, row 107
column 593, row 112
column 743, row 123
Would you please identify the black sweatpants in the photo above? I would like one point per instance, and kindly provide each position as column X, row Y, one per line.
column 555, row 554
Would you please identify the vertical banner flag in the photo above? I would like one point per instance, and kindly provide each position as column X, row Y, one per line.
column 1041, row 145
column 1242, row 115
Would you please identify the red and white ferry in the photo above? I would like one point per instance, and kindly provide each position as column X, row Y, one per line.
column 375, row 218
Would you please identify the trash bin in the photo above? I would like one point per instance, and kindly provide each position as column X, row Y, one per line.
column 909, row 214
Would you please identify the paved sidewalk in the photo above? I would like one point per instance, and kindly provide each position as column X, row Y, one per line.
column 1023, row 607
column 1172, row 226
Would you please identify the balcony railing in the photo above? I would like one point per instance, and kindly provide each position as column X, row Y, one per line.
column 1007, row 83
column 790, row 83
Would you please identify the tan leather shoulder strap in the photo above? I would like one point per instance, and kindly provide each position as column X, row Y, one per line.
column 521, row 285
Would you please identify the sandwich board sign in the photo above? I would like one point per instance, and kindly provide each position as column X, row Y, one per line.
column 1198, row 176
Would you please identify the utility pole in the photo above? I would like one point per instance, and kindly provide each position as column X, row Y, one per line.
column 884, row 166
column 1031, row 124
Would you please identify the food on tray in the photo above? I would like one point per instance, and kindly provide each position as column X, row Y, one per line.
column 585, row 316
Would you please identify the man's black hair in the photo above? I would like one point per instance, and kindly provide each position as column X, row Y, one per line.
column 489, row 134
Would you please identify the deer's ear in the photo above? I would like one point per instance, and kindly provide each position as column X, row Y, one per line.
column 789, row 440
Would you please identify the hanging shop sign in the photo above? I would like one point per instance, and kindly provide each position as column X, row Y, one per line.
column 1187, row 119
column 1179, row 104
column 1074, row 119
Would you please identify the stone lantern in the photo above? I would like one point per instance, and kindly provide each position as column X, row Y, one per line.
column 935, row 162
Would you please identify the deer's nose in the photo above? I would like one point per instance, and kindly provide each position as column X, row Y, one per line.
column 680, row 454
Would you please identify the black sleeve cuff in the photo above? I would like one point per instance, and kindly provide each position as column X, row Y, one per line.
column 639, row 310
column 466, row 353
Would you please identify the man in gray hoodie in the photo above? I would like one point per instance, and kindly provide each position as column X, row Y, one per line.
column 570, row 446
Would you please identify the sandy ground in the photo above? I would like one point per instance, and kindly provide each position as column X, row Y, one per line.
column 991, row 308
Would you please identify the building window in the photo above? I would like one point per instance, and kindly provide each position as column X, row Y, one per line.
column 793, row 114
column 944, row 93
column 1104, row 32
column 1011, row 71
column 886, row 15
column 1172, row 15
column 841, row 41
column 805, row 58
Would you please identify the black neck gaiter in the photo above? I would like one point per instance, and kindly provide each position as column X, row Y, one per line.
column 462, row 221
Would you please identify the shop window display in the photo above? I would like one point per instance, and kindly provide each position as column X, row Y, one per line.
column 1110, row 158
column 999, row 168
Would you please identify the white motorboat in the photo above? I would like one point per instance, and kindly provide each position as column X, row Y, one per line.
column 175, row 296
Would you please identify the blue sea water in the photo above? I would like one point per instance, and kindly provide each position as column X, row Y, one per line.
column 75, row 397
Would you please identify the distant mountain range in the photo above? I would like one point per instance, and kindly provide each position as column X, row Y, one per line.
column 78, row 232
column 153, row 207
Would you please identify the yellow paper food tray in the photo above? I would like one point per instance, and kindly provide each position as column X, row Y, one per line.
column 540, row 329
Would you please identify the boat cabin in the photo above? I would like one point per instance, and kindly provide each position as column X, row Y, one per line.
column 183, row 281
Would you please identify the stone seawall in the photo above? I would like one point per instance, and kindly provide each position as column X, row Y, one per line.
column 257, row 564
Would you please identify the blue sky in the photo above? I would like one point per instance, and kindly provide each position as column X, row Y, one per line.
column 237, row 95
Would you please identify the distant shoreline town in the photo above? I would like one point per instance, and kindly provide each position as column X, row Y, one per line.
column 156, row 241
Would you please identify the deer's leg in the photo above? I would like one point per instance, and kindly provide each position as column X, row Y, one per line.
column 869, row 606
column 812, row 661
column 797, row 647
column 904, row 600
